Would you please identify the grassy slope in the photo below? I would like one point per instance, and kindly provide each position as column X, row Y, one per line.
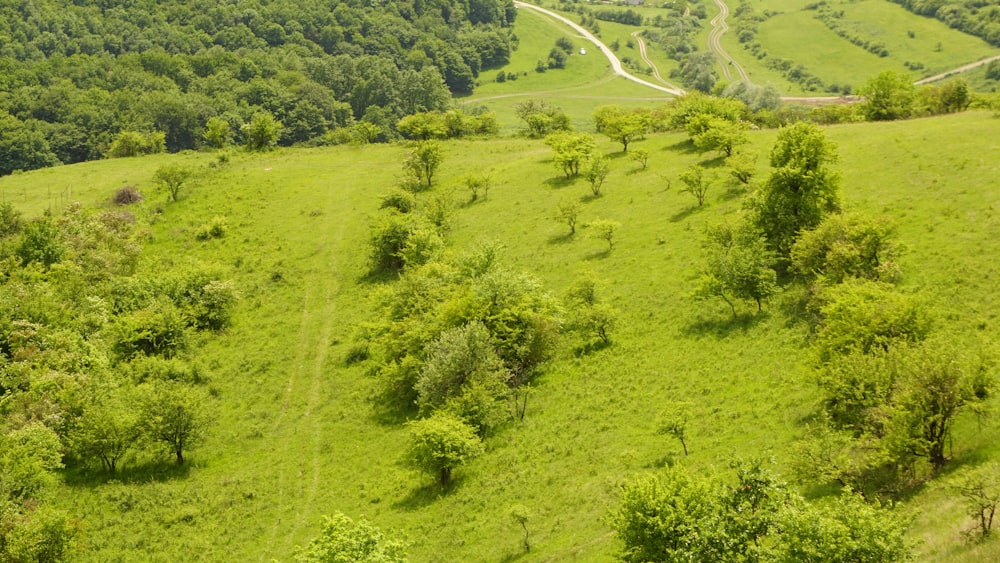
column 297, row 437
column 796, row 35
column 586, row 82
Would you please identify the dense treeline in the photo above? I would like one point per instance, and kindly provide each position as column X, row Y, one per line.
column 73, row 76
column 977, row 17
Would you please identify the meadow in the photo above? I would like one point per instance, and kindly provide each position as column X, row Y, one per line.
column 297, row 433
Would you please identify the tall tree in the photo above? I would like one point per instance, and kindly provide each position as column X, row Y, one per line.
column 801, row 190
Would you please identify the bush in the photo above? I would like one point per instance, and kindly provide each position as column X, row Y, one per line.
column 400, row 200
column 127, row 195
column 10, row 220
column 216, row 228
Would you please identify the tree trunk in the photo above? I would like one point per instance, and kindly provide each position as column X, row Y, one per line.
column 445, row 476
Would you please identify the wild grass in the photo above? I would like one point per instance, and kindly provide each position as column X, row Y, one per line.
column 298, row 437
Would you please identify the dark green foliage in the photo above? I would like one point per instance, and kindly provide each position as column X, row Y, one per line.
column 888, row 96
column 676, row 516
column 388, row 240
column 966, row 15
column 867, row 316
column 157, row 330
column 801, row 190
column 174, row 415
column 23, row 146
column 740, row 266
column 847, row 246
column 400, row 200
column 41, row 242
column 540, row 118
column 83, row 79
column 427, row 301
column 464, row 375
column 342, row 540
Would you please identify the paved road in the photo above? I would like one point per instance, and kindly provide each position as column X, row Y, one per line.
column 616, row 65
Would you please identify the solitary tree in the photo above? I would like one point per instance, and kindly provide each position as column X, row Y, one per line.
column 423, row 162
column 980, row 492
column 717, row 134
column 621, row 126
column 596, row 171
column 172, row 177
column 174, row 414
column 441, row 443
column 641, row 156
column 568, row 212
column 696, row 183
column 742, row 167
column 740, row 266
column 605, row 230
column 570, row 151
column 673, row 422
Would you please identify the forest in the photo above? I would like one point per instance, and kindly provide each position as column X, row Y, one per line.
column 76, row 76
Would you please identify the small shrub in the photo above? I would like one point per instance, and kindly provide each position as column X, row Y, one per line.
column 127, row 195
column 216, row 228
column 399, row 199
column 10, row 220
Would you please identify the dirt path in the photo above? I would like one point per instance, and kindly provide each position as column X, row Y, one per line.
column 616, row 65
column 954, row 71
column 719, row 28
column 645, row 57
column 297, row 477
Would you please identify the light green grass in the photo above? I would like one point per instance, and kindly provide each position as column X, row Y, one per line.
column 297, row 436
column 796, row 35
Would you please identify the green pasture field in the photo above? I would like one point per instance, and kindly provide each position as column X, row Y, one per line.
column 297, row 435
column 796, row 35
column 585, row 83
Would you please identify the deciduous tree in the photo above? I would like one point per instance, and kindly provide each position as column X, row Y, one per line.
column 801, row 190
column 440, row 444
column 175, row 415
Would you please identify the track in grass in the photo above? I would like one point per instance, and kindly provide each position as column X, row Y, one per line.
column 719, row 28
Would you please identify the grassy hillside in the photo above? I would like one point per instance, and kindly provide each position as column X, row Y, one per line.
column 297, row 436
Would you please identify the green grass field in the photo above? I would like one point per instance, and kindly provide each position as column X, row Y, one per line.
column 297, row 436
column 796, row 35
column 585, row 83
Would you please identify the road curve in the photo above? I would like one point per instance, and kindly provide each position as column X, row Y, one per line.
column 645, row 57
column 616, row 65
column 719, row 28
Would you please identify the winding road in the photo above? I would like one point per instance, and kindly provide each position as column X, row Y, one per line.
column 616, row 65
column 646, row 59
column 719, row 28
